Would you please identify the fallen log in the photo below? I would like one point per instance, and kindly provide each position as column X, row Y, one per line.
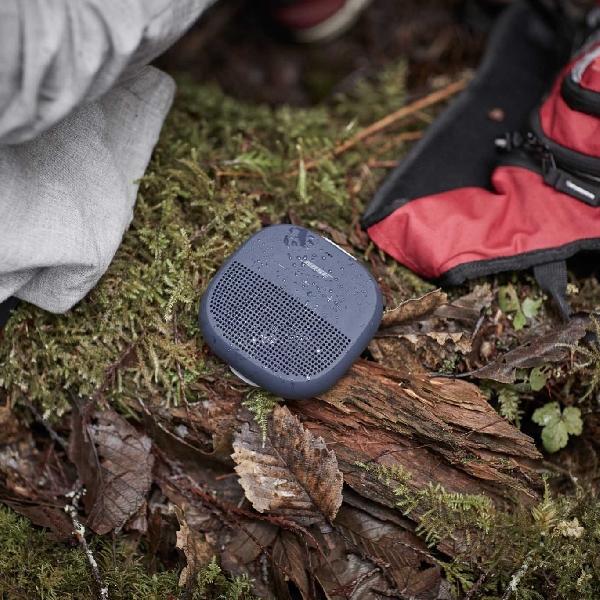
column 437, row 432
column 440, row 431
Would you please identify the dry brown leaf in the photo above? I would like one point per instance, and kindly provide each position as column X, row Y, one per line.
column 114, row 463
column 479, row 299
column 414, row 309
column 198, row 552
column 27, row 484
column 541, row 350
column 419, row 352
column 292, row 474
column 350, row 577
column 407, row 556
column 426, row 343
column 289, row 553
column 244, row 548
column 381, row 540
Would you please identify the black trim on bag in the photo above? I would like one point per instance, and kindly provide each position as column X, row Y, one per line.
column 529, row 153
column 565, row 157
column 517, row 262
column 579, row 98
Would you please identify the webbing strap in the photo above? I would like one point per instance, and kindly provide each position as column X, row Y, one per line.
column 552, row 278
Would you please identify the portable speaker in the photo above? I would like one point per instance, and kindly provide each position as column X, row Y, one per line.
column 290, row 311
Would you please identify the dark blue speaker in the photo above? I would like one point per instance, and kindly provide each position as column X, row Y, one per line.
column 290, row 311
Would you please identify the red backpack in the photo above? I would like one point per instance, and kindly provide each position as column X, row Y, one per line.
column 472, row 200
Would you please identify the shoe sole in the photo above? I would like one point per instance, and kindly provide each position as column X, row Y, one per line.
column 335, row 25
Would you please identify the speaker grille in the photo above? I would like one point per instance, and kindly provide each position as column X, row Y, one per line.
column 272, row 326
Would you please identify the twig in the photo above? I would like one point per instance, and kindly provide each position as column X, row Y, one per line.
column 394, row 594
column 402, row 113
column 405, row 136
column 517, row 576
column 109, row 372
column 182, row 384
column 79, row 533
column 40, row 419
column 351, row 587
column 476, row 587
column 379, row 564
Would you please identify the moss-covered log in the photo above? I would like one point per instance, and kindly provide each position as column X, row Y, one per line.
column 436, row 430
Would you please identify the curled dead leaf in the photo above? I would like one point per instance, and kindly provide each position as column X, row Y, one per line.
column 292, row 474
column 547, row 348
column 114, row 463
column 291, row 555
column 414, row 309
column 198, row 552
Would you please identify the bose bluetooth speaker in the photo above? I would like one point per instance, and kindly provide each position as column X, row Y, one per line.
column 290, row 311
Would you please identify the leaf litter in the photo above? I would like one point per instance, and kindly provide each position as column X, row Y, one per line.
column 114, row 462
column 292, row 474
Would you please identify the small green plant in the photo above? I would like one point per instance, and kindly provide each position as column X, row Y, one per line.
column 551, row 550
column 214, row 584
column 589, row 355
column 557, row 426
column 508, row 300
column 510, row 405
column 539, row 376
column 261, row 404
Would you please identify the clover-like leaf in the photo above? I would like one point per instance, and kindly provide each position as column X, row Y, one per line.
column 555, row 436
column 572, row 419
column 557, row 426
column 548, row 414
column 531, row 307
column 508, row 299
column 519, row 321
column 539, row 376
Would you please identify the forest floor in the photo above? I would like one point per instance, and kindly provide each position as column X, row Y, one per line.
column 132, row 461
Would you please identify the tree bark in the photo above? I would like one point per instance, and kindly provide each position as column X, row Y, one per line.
column 440, row 431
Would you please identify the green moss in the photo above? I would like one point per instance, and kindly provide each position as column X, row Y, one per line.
column 558, row 540
column 33, row 566
column 213, row 583
column 127, row 337
column 261, row 404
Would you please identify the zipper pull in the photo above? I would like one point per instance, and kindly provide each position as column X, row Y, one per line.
column 509, row 141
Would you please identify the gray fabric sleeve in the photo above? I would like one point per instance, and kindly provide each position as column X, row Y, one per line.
column 79, row 117
column 59, row 54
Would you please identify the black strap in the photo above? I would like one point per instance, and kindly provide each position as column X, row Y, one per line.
column 552, row 278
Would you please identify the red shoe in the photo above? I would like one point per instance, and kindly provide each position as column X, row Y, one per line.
column 317, row 20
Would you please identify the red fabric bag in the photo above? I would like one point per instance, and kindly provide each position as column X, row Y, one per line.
column 541, row 203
